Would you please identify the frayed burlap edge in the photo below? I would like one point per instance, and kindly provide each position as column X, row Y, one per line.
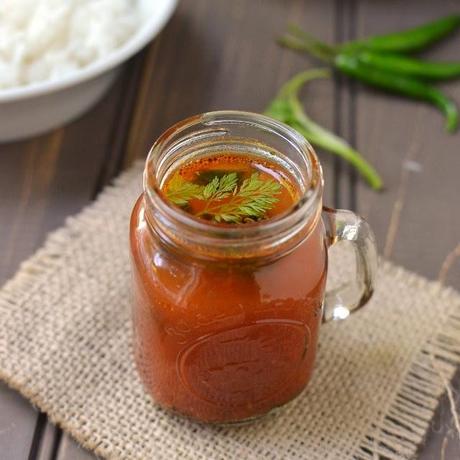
column 399, row 431
column 402, row 428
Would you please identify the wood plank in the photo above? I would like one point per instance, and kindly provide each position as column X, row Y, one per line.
column 115, row 144
column 17, row 425
column 70, row 450
column 416, row 219
column 48, row 443
column 344, row 116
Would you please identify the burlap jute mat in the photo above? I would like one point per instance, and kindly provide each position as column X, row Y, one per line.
column 65, row 343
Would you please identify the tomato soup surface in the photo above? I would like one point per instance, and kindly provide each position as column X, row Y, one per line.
column 232, row 189
column 225, row 341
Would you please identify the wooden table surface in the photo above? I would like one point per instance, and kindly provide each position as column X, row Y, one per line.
column 218, row 54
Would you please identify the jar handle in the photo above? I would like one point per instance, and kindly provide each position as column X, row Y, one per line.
column 342, row 225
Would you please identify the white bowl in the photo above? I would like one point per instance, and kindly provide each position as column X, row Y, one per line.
column 33, row 109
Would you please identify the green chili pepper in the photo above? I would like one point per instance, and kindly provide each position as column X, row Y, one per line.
column 399, row 64
column 298, row 40
column 388, row 78
column 408, row 40
column 400, row 84
column 287, row 108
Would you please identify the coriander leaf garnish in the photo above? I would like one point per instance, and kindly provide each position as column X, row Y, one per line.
column 220, row 188
column 180, row 191
column 225, row 201
column 250, row 202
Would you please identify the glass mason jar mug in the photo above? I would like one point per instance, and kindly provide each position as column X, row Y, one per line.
column 226, row 317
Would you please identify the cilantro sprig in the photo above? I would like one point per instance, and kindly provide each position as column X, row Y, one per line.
column 180, row 191
column 225, row 200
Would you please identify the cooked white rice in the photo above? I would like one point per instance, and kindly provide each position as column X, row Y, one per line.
column 49, row 39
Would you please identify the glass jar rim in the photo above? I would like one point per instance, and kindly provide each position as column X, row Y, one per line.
column 242, row 235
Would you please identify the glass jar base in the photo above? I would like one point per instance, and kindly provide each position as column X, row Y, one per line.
column 271, row 413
